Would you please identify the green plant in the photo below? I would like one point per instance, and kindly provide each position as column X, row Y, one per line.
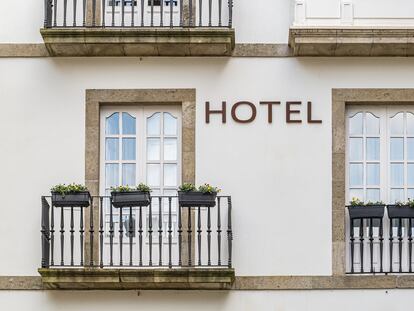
column 71, row 188
column 410, row 203
column 356, row 202
column 206, row 188
column 141, row 187
column 187, row 187
column 374, row 203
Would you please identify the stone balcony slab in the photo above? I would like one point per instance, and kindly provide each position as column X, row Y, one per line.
column 136, row 279
column 209, row 41
column 351, row 41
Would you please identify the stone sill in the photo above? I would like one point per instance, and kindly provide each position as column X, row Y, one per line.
column 139, row 41
column 129, row 279
column 351, row 41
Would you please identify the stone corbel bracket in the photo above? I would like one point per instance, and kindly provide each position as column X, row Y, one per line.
column 351, row 41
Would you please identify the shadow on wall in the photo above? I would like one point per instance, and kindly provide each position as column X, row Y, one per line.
column 137, row 300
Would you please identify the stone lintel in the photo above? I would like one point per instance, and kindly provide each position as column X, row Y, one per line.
column 179, row 278
column 139, row 41
column 351, row 41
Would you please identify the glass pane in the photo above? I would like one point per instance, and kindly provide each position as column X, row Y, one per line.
column 128, row 124
column 153, row 174
column 410, row 174
column 397, row 195
column 111, row 149
column 172, row 193
column 154, row 124
column 356, row 193
column 153, row 149
column 112, row 124
column 170, row 175
column 410, row 149
column 112, row 175
column 355, row 124
column 355, row 149
column 410, row 194
column 410, row 123
column 372, row 124
column 373, row 149
column 397, row 149
column 397, row 175
column 128, row 149
column 373, row 174
column 128, row 174
column 355, row 175
column 397, row 124
column 170, row 124
column 170, row 149
column 373, row 195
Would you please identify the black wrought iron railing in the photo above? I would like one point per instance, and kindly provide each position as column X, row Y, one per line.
column 163, row 234
column 138, row 13
column 380, row 242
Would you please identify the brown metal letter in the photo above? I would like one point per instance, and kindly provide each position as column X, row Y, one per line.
column 289, row 112
column 222, row 112
column 269, row 110
column 310, row 114
column 236, row 105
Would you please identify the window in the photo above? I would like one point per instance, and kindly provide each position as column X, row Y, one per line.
column 141, row 144
column 380, row 167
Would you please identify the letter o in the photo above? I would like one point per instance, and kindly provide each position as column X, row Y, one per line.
column 252, row 107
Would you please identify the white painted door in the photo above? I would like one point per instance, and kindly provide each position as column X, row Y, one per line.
column 141, row 144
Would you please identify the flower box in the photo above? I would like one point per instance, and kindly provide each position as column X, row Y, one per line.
column 366, row 211
column 130, row 198
column 196, row 199
column 400, row 211
column 74, row 199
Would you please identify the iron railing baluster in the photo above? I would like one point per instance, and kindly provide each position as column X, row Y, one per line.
column 149, row 234
column 391, row 245
column 161, row 13
column 208, row 236
column 190, row 13
column 371, row 245
column 229, row 233
column 133, row 13
column 45, row 234
column 181, row 13
column 189, row 233
column 381, row 245
column 171, row 13
column 400, row 244
column 55, row 6
column 122, row 13
column 130, row 232
column 210, row 7
column 74, row 12
column 169, row 233
column 142, row 13
column 351, row 233
column 230, row 13
column 180, row 236
column 93, row 13
column 103, row 12
column 121, row 236
column 113, row 13
column 91, row 233
column 361, row 245
column 72, row 236
column 160, row 230
column 65, row 5
column 200, row 13
column 62, row 238
column 52, row 236
column 84, row 13
column 81, row 232
column 220, row 7
column 199, row 235
column 111, row 235
column 101, row 232
column 140, row 236
column 410, row 246
column 152, row 13
column 218, row 232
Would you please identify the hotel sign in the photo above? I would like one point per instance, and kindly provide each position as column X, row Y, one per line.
column 292, row 112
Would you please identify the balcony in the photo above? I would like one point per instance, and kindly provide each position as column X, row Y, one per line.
column 162, row 246
column 380, row 240
column 138, row 28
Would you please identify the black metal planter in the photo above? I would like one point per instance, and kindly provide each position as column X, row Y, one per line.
column 397, row 211
column 371, row 211
column 78, row 199
column 130, row 199
column 196, row 199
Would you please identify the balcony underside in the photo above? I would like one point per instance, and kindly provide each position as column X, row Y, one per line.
column 94, row 278
column 351, row 41
column 139, row 41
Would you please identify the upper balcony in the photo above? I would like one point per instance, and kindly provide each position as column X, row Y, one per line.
column 352, row 28
column 138, row 27
column 163, row 245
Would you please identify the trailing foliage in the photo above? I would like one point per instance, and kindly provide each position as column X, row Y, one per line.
column 71, row 188
column 409, row 203
column 141, row 187
column 358, row 202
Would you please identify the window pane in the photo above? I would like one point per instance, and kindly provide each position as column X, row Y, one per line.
column 170, row 149
column 372, row 124
column 355, row 175
column 355, row 149
column 410, row 149
column 153, row 175
column 397, row 195
column 112, row 124
column 154, row 124
column 128, row 124
column 373, row 195
column 128, row 149
column 356, row 193
column 112, row 149
column 397, row 149
column 397, row 124
column 170, row 175
column 170, row 124
column 355, row 124
column 373, row 149
column 112, row 175
column 410, row 123
column 397, row 175
column 410, row 174
column 173, row 201
column 410, row 194
column 373, row 174
column 153, row 149
column 128, row 174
